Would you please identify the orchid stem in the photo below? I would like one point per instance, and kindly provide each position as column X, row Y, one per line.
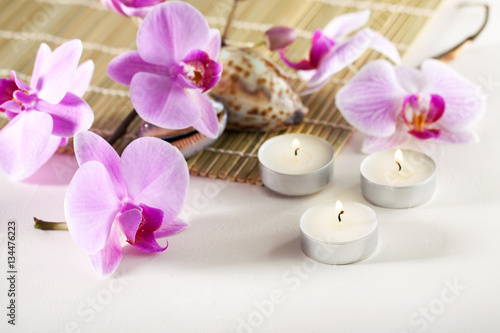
column 122, row 128
column 44, row 225
column 454, row 51
column 229, row 22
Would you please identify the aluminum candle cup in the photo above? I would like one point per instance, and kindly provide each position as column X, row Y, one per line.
column 296, row 164
column 397, row 178
column 337, row 236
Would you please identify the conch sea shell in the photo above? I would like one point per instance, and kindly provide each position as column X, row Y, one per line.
column 256, row 92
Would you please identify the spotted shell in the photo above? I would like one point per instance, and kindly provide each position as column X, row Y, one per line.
column 188, row 140
column 256, row 92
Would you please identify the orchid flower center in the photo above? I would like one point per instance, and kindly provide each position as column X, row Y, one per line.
column 421, row 112
column 199, row 71
column 21, row 100
column 195, row 71
column 150, row 220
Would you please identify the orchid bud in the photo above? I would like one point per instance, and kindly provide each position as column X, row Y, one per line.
column 279, row 37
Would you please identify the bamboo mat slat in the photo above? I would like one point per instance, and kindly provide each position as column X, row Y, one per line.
column 24, row 24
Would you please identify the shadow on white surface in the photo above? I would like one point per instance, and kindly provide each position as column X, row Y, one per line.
column 410, row 240
column 289, row 249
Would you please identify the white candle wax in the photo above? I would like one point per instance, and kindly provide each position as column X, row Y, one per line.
column 278, row 154
column 384, row 184
column 381, row 168
column 321, row 223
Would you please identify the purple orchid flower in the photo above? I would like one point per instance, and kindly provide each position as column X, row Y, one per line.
column 172, row 69
column 139, row 194
column 137, row 8
column 393, row 104
column 331, row 52
column 44, row 114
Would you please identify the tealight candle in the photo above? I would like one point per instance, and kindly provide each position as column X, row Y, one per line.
column 296, row 164
column 339, row 234
column 398, row 178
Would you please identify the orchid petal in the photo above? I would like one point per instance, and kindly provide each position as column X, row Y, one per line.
column 59, row 72
column 342, row 56
column 383, row 46
column 213, row 46
column 91, row 206
column 212, row 75
column 311, row 88
column 42, row 61
column 425, row 134
column 152, row 217
column 373, row 144
column 129, row 223
column 436, row 109
column 64, row 141
column 321, row 45
column 123, row 68
column 463, row 136
column 11, row 106
column 306, row 75
column 151, row 168
column 23, row 98
column 7, row 88
column 185, row 82
column 343, row 25
column 131, row 8
column 91, row 147
column 70, row 115
column 410, row 79
column 170, row 228
column 208, row 124
column 160, row 101
column 10, row 115
column 164, row 38
column 49, row 151
column 22, row 142
column 20, row 84
column 113, row 5
column 299, row 65
column 463, row 106
column 106, row 260
column 82, row 79
column 146, row 242
column 372, row 99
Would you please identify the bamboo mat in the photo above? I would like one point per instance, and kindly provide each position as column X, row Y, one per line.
column 24, row 24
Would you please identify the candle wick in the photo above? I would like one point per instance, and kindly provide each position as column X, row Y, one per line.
column 341, row 212
column 399, row 165
column 296, row 151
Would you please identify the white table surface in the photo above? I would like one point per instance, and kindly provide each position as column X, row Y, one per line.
column 239, row 267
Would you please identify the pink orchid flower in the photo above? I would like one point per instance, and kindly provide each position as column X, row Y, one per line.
column 137, row 8
column 172, row 69
column 394, row 104
column 44, row 114
column 139, row 194
column 331, row 51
